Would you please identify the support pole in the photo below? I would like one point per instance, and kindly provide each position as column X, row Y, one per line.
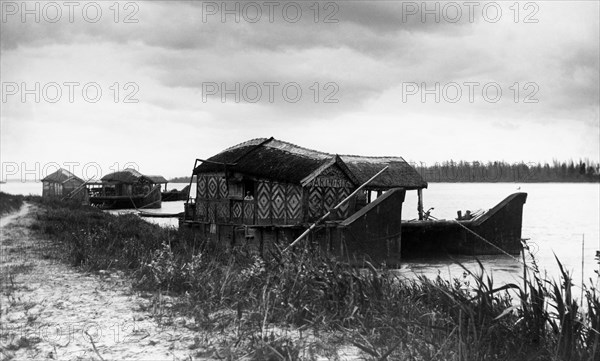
column 335, row 208
column 191, row 180
column 420, row 203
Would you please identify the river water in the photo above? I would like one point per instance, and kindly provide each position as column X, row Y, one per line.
column 558, row 218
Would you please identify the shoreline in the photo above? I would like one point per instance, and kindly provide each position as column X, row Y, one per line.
column 195, row 300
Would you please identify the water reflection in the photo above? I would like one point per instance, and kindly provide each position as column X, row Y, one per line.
column 503, row 269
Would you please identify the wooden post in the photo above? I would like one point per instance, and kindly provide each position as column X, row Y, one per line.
column 420, row 203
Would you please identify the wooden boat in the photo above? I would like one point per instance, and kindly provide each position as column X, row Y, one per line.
column 160, row 215
column 175, row 195
column 496, row 231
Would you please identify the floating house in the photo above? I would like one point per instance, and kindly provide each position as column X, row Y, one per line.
column 127, row 189
column 267, row 191
column 64, row 185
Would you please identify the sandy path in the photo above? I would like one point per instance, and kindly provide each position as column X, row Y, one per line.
column 49, row 310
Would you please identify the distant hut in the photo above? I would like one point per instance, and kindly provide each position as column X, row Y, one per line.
column 63, row 184
column 270, row 190
column 128, row 189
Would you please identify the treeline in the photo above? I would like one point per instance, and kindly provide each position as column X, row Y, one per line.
column 530, row 172
column 451, row 171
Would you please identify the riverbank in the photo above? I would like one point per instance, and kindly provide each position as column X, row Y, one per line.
column 10, row 203
column 51, row 310
column 300, row 305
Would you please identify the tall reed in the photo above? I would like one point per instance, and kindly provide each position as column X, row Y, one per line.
column 249, row 296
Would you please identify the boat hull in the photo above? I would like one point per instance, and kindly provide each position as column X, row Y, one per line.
column 498, row 231
column 377, row 234
column 150, row 200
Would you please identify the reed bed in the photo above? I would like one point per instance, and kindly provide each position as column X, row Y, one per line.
column 252, row 298
column 10, row 203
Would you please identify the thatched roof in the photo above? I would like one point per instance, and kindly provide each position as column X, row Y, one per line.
column 157, row 178
column 130, row 175
column 274, row 159
column 399, row 174
column 61, row 176
column 268, row 158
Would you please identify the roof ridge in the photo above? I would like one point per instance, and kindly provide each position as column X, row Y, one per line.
column 256, row 141
column 247, row 142
column 372, row 156
column 341, row 155
column 303, row 148
column 65, row 172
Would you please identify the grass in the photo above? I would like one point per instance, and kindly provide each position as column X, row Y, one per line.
column 296, row 305
column 10, row 203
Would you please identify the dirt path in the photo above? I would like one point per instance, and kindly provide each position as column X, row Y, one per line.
column 49, row 310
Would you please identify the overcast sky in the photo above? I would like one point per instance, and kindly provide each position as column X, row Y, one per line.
column 181, row 80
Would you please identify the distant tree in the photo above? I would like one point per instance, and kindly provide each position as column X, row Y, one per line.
column 500, row 171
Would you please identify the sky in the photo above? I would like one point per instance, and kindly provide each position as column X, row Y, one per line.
column 98, row 86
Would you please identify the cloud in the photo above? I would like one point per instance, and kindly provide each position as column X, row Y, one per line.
column 368, row 55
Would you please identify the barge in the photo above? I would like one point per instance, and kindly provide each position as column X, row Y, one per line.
column 265, row 191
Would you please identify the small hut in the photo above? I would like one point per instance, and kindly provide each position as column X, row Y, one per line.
column 127, row 189
column 63, row 184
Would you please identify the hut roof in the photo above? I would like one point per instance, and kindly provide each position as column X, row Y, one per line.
column 127, row 175
column 275, row 159
column 130, row 175
column 157, row 178
column 399, row 174
column 61, row 176
column 269, row 158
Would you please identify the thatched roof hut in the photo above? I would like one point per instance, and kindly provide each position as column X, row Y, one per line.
column 64, row 185
column 128, row 188
column 290, row 183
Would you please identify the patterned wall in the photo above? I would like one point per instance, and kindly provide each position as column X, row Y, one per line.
column 326, row 191
column 278, row 203
column 274, row 202
column 212, row 204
